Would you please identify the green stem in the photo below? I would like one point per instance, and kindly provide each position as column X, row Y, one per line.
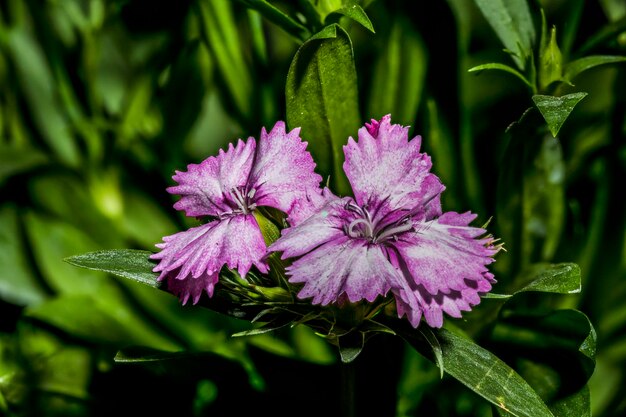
column 348, row 379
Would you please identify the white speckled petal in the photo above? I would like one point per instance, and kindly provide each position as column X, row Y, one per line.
column 202, row 251
column 319, row 228
column 205, row 188
column 344, row 266
column 388, row 172
column 444, row 263
column 283, row 169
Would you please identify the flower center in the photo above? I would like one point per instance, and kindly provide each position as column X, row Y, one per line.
column 364, row 227
column 243, row 200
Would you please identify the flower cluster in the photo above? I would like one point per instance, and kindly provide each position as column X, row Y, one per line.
column 390, row 237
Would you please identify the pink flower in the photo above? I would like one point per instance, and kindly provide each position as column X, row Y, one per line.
column 392, row 236
column 277, row 172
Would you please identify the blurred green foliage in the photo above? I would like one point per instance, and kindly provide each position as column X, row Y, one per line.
column 100, row 101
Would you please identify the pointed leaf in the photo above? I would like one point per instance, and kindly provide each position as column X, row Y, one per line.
column 322, row 99
column 504, row 68
column 430, row 337
column 126, row 263
column 279, row 18
column 555, row 110
column 354, row 12
column 481, row 371
column 572, row 69
column 512, row 22
column 563, row 278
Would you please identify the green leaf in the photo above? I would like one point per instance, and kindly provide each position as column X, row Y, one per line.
column 481, row 371
column 96, row 319
column 14, row 160
column 38, row 85
column 512, row 22
column 573, row 68
column 531, row 195
column 563, row 278
column 51, row 240
column 441, row 146
column 567, row 335
column 577, row 404
column 322, row 67
column 430, row 337
column 280, row 19
column 555, row 110
column 126, row 263
column 554, row 352
column 222, row 38
column 143, row 219
column 18, row 282
column 191, row 365
column 399, row 73
column 550, row 58
column 505, row 68
column 355, row 12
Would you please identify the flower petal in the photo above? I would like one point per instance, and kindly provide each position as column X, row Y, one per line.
column 236, row 242
column 344, row 266
column 443, row 254
column 205, row 188
column 388, row 172
column 321, row 227
column 445, row 268
column 190, row 287
column 283, row 169
column 308, row 205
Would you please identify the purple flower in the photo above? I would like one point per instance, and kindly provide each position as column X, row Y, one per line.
column 391, row 236
column 277, row 172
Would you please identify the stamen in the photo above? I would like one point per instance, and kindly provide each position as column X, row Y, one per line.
column 404, row 227
column 244, row 204
column 368, row 228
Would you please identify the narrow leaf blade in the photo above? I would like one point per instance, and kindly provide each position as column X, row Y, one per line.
column 563, row 278
column 576, row 67
column 502, row 67
column 482, row 372
column 126, row 263
column 512, row 22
